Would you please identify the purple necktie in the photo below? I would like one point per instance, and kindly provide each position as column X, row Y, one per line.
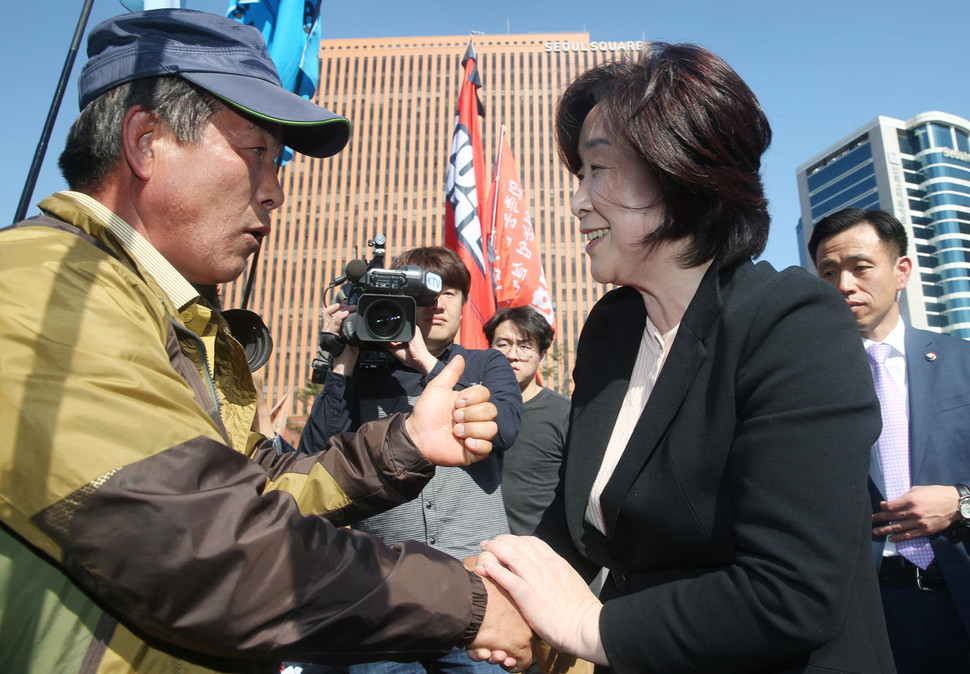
column 894, row 447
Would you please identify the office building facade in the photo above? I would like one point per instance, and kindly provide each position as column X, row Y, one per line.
column 401, row 95
column 918, row 170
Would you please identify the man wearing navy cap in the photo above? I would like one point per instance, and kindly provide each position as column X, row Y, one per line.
column 145, row 524
column 920, row 465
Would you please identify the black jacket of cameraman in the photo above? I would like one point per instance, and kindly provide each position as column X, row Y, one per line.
column 460, row 506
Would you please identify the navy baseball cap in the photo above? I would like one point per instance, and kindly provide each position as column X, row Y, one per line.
column 222, row 56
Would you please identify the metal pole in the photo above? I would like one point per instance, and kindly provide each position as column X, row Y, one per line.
column 251, row 277
column 45, row 135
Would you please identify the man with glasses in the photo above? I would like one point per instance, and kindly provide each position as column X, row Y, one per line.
column 459, row 507
column 530, row 471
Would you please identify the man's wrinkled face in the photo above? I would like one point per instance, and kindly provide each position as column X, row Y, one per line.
column 210, row 201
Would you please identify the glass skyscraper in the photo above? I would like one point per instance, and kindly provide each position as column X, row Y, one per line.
column 918, row 170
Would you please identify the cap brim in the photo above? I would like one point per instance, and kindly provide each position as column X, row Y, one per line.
column 307, row 127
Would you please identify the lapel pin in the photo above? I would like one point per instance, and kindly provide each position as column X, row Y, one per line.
column 931, row 356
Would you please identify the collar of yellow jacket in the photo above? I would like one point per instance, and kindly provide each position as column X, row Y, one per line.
column 91, row 215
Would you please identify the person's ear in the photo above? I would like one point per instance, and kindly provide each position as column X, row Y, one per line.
column 138, row 136
column 904, row 267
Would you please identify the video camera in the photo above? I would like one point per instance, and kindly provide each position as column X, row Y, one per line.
column 386, row 301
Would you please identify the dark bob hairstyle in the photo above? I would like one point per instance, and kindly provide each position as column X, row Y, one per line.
column 699, row 130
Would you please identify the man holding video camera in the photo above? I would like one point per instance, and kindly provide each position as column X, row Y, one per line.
column 460, row 506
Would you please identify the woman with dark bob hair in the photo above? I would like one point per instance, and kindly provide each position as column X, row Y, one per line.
column 723, row 411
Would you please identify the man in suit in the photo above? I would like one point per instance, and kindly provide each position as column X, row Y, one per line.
column 921, row 512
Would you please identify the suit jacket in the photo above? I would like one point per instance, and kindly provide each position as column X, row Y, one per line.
column 938, row 372
column 737, row 519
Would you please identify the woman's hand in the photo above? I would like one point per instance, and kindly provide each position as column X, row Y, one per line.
column 555, row 599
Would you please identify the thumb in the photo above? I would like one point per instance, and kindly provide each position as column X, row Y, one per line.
column 449, row 376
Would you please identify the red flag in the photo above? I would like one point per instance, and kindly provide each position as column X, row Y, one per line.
column 518, row 275
column 465, row 220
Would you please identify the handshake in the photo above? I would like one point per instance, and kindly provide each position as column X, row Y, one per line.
column 451, row 430
column 504, row 637
column 532, row 589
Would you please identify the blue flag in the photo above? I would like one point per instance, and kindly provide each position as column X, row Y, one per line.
column 291, row 29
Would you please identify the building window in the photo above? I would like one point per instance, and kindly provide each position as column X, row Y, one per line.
column 907, row 142
column 846, row 197
column 921, row 134
column 942, row 135
column 947, row 171
column 850, row 158
column 963, row 141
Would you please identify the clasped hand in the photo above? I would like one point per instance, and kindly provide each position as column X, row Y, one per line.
column 552, row 596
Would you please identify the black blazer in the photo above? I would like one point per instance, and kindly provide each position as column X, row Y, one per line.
column 738, row 516
column 938, row 374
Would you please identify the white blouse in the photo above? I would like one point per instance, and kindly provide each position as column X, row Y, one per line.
column 653, row 352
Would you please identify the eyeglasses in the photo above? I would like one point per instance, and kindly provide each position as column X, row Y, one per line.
column 523, row 351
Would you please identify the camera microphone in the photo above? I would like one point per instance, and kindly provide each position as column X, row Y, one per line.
column 353, row 272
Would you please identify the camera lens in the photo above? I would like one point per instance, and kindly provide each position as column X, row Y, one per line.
column 385, row 319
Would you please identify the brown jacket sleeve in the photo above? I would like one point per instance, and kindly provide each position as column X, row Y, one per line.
column 121, row 476
column 356, row 476
column 188, row 546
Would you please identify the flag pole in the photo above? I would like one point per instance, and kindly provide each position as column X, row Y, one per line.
column 45, row 135
column 251, row 276
column 498, row 167
column 465, row 222
column 493, row 204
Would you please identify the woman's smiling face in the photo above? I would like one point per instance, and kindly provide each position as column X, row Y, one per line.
column 617, row 202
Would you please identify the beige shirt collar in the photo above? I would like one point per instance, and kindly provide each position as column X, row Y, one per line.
column 178, row 289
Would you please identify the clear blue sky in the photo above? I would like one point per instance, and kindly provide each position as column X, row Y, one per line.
column 821, row 69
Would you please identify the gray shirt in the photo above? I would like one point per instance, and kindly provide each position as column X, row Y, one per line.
column 461, row 506
column 531, row 466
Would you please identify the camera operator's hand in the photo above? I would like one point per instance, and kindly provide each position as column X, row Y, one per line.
column 331, row 320
column 453, row 428
column 414, row 354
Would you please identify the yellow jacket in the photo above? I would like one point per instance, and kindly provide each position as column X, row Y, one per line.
column 145, row 526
